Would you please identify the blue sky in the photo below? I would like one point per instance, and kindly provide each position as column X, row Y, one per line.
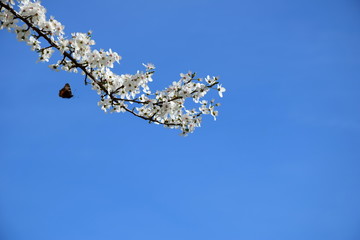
column 281, row 162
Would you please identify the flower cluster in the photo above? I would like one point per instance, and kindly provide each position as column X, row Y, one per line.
column 118, row 93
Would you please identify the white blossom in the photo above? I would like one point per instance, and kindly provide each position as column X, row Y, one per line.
column 149, row 66
column 221, row 90
column 34, row 43
column 118, row 93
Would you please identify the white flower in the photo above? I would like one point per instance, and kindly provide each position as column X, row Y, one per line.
column 185, row 77
column 46, row 54
column 213, row 112
column 34, row 43
column 149, row 66
column 54, row 67
column 210, row 80
column 221, row 90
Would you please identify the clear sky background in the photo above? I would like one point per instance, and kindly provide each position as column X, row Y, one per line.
column 281, row 162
